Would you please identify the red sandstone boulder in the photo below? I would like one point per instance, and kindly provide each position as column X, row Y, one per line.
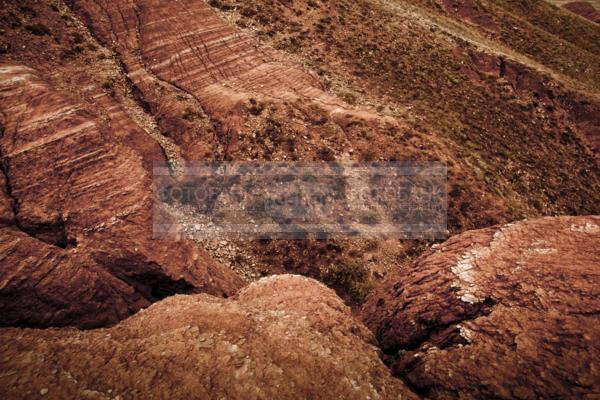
column 283, row 337
column 504, row 312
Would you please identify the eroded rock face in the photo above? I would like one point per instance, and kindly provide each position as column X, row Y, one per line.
column 283, row 337
column 76, row 216
column 584, row 9
column 214, row 63
column 503, row 312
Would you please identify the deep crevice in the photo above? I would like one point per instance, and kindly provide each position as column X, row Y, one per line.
column 502, row 67
column 223, row 138
column 137, row 94
column 53, row 233
column 147, row 278
column 442, row 334
column 155, row 285
column 401, row 359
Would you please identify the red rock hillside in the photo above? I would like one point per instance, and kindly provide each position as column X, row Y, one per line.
column 94, row 93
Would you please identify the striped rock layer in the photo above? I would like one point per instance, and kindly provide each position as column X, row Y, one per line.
column 76, row 217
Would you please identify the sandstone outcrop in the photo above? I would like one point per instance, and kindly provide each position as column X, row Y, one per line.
column 92, row 92
column 503, row 312
column 76, row 214
column 283, row 337
column 585, row 9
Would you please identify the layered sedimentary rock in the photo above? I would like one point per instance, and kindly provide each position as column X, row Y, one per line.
column 211, row 60
column 584, row 9
column 76, row 216
column 503, row 312
column 471, row 11
column 411, row 56
column 163, row 44
column 283, row 337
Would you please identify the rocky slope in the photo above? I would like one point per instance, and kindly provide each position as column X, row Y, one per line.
column 230, row 76
column 586, row 9
column 503, row 312
column 282, row 337
column 480, row 85
column 288, row 83
column 76, row 206
column 93, row 92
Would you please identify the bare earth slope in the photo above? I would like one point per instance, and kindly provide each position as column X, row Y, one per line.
column 518, row 130
column 162, row 44
column 589, row 9
column 284, row 337
column 511, row 129
column 503, row 312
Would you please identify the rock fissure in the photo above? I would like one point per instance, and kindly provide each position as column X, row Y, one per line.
column 169, row 83
column 143, row 116
column 7, row 187
column 446, row 334
column 54, row 233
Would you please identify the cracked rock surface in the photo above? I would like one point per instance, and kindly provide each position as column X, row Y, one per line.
column 502, row 312
column 282, row 337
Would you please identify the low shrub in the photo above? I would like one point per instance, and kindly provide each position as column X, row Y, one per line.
column 350, row 277
column 255, row 107
column 190, row 114
column 38, row 29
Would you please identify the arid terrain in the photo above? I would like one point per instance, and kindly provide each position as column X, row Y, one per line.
column 95, row 93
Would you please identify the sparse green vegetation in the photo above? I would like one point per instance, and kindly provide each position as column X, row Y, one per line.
column 77, row 38
column 190, row 114
column 255, row 108
column 108, row 86
column 369, row 218
column 349, row 98
column 221, row 5
column 11, row 20
column 350, row 277
column 325, row 154
column 505, row 142
column 71, row 52
column 26, row 10
column 38, row 29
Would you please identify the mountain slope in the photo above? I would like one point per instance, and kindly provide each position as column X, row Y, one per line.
column 512, row 121
column 517, row 124
column 94, row 92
